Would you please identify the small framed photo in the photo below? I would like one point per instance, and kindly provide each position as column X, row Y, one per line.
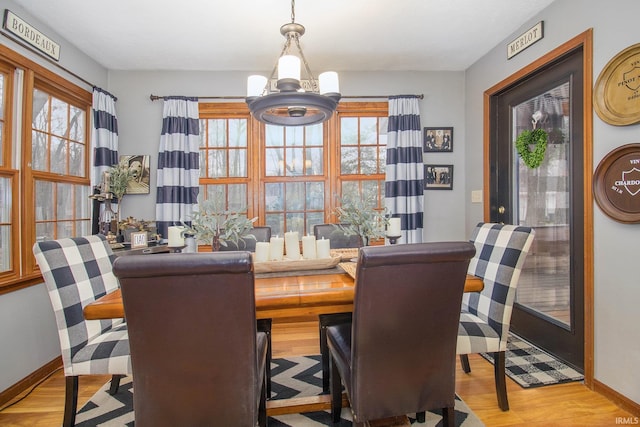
column 438, row 177
column 140, row 174
column 139, row 240
column 438, row 139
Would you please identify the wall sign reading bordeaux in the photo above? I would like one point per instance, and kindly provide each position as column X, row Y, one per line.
column 616, row 186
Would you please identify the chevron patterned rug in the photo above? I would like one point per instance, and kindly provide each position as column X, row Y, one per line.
column 291, row 377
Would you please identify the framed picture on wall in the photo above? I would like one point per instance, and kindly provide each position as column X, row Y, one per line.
column 139, row 166
column 439, row 139
column 438, row 177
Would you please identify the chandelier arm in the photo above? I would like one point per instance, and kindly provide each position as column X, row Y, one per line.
column 312, row 79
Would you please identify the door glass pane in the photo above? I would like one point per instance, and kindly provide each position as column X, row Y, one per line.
column 543, row 202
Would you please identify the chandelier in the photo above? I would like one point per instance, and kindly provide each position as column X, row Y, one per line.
column 294, row 101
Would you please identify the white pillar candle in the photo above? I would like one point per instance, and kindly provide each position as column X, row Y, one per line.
column 309, row 247
column 292, row 245
column 175, row 238
column 394, row 227
column 323, row 248
column 262, row 251
column 276, row 248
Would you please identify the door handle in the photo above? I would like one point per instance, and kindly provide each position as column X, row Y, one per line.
column 501, row 210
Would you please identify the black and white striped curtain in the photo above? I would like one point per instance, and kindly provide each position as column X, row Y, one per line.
column 178, row 163
column 405, row 172
column 105, row 134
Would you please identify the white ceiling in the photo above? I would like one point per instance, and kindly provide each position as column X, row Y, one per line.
column 408, row 35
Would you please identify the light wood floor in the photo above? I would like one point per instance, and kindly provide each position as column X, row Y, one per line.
column 562, row 405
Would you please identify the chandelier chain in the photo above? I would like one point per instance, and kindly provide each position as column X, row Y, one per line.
column 293, row 11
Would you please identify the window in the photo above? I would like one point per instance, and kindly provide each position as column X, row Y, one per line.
column 362, row 152
column 292, row 177
column 44, row 164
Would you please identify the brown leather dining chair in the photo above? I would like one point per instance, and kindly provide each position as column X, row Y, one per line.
column 261, row 234
column 197, row 359
column 337, row 240
column 398, row 356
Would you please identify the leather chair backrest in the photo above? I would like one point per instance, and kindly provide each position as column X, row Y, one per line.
column 405, row 326
column 337, row 236
column 192, row 332
column 501, row 250
column 262, row 234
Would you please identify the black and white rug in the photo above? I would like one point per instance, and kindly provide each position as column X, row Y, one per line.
column 291, row 377
column 530, row 366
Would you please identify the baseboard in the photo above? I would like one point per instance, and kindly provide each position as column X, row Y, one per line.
column 29, row 381
column 617, row 398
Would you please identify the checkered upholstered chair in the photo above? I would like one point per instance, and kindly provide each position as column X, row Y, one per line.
column 484, row 322
column 76, row 272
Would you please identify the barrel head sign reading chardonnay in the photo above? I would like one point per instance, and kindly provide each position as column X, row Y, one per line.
column 616, row 184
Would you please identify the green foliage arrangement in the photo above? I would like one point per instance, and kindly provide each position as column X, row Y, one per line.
column 119, row 177
column 525, row 140
column 361, row 218
column 211, row 222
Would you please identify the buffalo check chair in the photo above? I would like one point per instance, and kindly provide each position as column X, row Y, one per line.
column 484, row 322
column 78, row 271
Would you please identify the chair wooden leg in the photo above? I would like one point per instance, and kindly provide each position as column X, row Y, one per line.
column 115, row 384
column 326, row 320
column 464, row 361
column 501, row 383
column 336, row 392
column 421, row 417
column 70, row 401
column 264, row 325
column 262, row 407
column 448, row 417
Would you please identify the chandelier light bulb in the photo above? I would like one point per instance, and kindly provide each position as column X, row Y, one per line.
column 256, row 85
column 289, row 67
column 328, row 82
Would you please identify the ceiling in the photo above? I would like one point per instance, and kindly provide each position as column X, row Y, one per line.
column 341, row 35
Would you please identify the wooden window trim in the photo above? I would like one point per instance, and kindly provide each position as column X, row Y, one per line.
column 25, row 272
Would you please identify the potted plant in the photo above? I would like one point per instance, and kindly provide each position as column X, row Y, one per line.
column 119, row 177
column 211, row 222
column 359, row 217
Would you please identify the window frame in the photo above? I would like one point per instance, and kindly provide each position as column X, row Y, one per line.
column 25, row 271
column 256, row 155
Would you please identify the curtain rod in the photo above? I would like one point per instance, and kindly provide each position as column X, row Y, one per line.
column 49, row 60
column 157, row 97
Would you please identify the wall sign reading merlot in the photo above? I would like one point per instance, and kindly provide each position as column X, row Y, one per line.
column 616, row 185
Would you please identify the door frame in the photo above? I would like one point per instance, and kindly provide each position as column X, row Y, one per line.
column 584, row 40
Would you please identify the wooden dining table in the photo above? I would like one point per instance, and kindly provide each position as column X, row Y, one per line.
column 290, row 296
column 278, row 297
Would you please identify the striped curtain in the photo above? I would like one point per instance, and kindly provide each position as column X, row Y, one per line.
column 105, row 134
column 405, row 173
column 178, row 163
column 105, row 151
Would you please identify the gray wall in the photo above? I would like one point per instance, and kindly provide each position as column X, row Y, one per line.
column 140, row 122
column 28, row 334
column 617, row 337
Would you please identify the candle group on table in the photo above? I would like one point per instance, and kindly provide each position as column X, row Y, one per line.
column 279, row 248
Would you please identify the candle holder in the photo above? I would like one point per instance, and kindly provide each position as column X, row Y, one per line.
column 393, row 239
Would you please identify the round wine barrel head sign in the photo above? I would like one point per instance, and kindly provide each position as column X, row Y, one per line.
column 616, row 94
column 617, row 184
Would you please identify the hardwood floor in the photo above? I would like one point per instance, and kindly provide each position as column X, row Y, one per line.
column 562, row 405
